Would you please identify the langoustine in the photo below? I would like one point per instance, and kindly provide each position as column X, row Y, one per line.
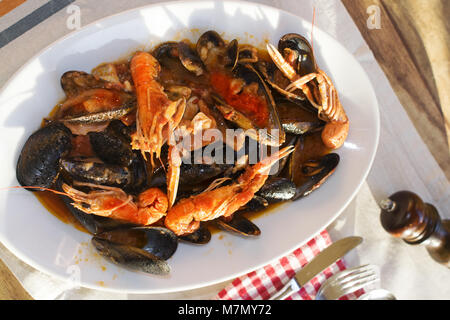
column 185, row 216
column 149, row 206
column 322, row 94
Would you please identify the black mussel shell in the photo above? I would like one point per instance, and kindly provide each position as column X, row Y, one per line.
column 111, row 146
column 190, row 59
column 256, row 204
column 232, row 54
column 250, row 74
column 39, row 161
column 167, row 49
column 98, row 172
column 156, row 240
column 298, row 46
column 75, row 82
column 131, row 257
column 191, row 175
column 277, row 189
column 206, row 41
column 315, row 173
column 293, row 126
column 238, row 225
column 200, row 236
column 247, row 54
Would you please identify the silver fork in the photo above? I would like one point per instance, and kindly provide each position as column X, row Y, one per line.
column 347, row 281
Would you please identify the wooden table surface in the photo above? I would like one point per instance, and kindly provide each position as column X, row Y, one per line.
column 412, row 49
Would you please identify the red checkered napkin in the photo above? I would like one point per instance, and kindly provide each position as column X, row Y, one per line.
column 261, row 284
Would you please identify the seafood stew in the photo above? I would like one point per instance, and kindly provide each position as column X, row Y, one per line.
column 158, row 148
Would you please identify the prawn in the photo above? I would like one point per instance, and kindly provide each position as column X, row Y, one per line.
column 150, row 206
column 185, row 216
column 157, row 116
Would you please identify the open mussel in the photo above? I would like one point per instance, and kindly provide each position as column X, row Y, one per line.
column 216, row 53
column 190, row 59
column 309, row 171
column 315, row 172
column 75, row 82
column 298, row 52
column 96, row 105
column 92, row 100
column 245, row 100
column 247, row 54
column 39, row 160
column 298, row 121
column 180, row 52
column 210, row 47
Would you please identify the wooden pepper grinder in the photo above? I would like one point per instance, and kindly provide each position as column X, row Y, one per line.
column 405, row 215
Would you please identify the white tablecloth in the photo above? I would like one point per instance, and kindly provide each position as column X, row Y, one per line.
column 402, row 162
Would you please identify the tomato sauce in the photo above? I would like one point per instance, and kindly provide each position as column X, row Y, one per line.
column 253, row 106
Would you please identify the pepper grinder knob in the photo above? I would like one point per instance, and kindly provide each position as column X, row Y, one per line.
column 404, row 215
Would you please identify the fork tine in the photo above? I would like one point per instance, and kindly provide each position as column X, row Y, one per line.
column 355, row 286
column 351, row 278
column 356, row 270
column 348, row 281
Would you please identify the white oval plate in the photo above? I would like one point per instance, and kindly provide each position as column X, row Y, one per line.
column 34, row 235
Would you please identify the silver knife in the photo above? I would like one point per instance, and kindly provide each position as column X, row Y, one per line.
column 325, row 258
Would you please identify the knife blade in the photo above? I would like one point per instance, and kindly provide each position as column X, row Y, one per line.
column 324, row 259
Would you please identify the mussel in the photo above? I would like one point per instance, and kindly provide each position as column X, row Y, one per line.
column 309, row 171
column 100, row 173
column 38, row 164
column 209, row 47
column 245, row 100
column 189, row 58
column 112, row 146
column 75, row 82
column 96, row 105
column 238, row 224
column 200, row 236
column 216, row 53
column 156, row 240
column 315, row 172
column 180, row 52
column 131, row 257
column 277, row 189
column 298, row 51
column 191, row 175
column 140, row 248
